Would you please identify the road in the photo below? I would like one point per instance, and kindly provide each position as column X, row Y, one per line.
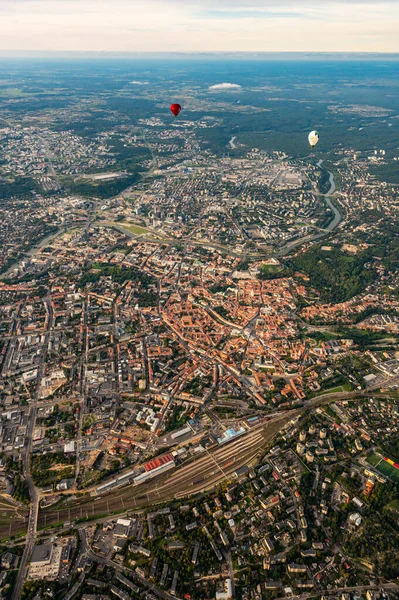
column 31, row 252
column 83, row 549
column 82, row 369
column 50, row 163
column 231, row 573
column 138, row 579
column 342, row 590
column 45, row 241
column 150, row 236
column 194, row 476
column 26, row 455
column 75, row 588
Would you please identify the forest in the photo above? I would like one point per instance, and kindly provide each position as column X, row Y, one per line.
column 335, row 275
column 118, row 275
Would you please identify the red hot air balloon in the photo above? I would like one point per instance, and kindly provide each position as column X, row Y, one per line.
column 175, row 109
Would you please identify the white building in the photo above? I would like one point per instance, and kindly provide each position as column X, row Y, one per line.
column 228, row 591
column 69, row 448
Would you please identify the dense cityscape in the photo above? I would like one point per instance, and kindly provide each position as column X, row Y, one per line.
column 199, row 361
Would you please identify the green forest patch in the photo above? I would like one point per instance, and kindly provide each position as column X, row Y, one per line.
column 99, row 189
column 388, row 172
column 336, row 275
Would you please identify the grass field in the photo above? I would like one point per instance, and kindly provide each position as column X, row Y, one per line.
column 383, row 467
column 266, row 268
column 394, row 505
column 11, row 92
column 335, row 390
column 136, row 229
column 344, row 387
column 374, row 459
column 389, row 471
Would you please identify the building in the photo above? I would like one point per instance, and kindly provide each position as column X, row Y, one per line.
column 69, row 448
column 41, row 555
column 9, row 561
column 295, row 568
column 309, row 456
column 122, row 528
column 66, row 554
column 268, row 544
column 45, row 562
column 227, row 593
column 300, row 448
column 195, row 553
column 230, row 434
column 355, row 520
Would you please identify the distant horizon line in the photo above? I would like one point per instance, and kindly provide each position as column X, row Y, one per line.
column 311, row 54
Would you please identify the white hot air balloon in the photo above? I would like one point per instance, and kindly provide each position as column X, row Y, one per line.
column 313, row 138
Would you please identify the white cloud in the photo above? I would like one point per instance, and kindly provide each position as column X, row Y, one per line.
column 139, row 82
column 226, row 86
column 199, row 25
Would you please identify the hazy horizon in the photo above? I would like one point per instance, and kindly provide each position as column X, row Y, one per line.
column 225, row 55
column 198, row 26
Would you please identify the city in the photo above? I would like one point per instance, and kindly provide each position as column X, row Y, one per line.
column 199, row 362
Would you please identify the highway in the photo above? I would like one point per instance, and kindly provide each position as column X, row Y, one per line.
column 195, row 476
column 26, row 455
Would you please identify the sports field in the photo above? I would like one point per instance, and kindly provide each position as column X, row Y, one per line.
column 384, row 465
column 389, row 470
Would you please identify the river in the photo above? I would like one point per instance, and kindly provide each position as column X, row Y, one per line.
column 337, row 214
column 334, row 223
column 43, row 242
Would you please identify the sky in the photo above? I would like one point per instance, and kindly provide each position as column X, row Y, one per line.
column 199, row 25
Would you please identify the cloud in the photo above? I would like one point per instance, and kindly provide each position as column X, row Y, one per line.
column 199, row 25
column 249, row 13
column 139, row 82
column 226, row 86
